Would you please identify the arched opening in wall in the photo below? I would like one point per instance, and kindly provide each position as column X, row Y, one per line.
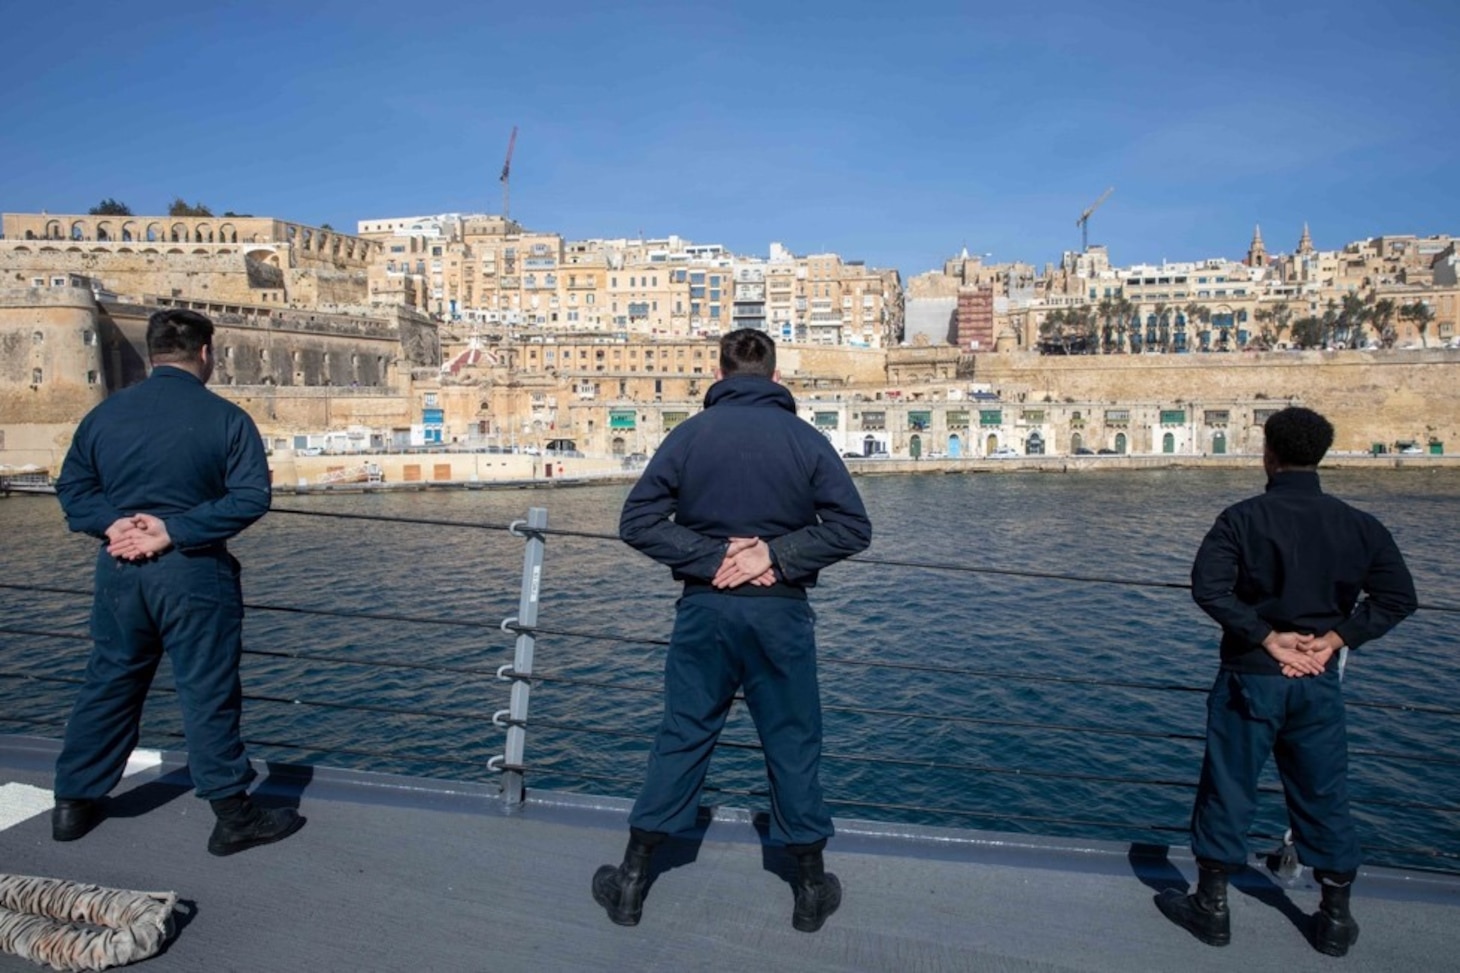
column 53, row 230
column 308, row 239
column 227, row 233
column 1077, row 442
column 1034, row 445
column 30, row 234
column 129, row 232
column 125, row 250
column 1219, row 443
column 618, row 446
column 73, row 250
column 179, row 233
column 153, row 231
column 1120, row 443
column 955, row 446
column 175, row 250
column 204, row 233
column 104, row 232
column 78, row 232
column 915, row 447
column 1168, row 443
column 269, row 257
column 990, row 444
column 200, row 250
column 22, row 249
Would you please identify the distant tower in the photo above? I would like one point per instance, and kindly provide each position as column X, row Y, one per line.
column 1305, row 245
column 1257, row 253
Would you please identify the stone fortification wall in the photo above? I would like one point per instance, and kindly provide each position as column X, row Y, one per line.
column 1371, row 397
column 283, row 348
column 282, row 412
column 220, row 275
column 50, row 366
column 850, row 366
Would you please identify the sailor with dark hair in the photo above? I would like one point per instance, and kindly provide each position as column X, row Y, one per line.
column 163, row 473
column 744, row 502
column 1282, row 573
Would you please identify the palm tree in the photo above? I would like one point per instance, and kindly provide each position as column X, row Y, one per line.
column 1192, row 313
column 1124, row 308
column 1282, row 316
column 1163, row 325
column 1309, row 331
column 1106, row 311
column 1382, row 315
column 1421, row 314
column 1330, row 322
column 1352, row 315
column 1263, row 316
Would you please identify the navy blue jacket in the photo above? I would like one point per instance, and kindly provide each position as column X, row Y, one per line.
column 171, row 448
column 1296, row 560
column 747, row 466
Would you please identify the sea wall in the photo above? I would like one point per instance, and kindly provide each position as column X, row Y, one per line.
column 1370, row 396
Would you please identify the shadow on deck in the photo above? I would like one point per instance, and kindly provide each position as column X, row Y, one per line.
column 396, row 873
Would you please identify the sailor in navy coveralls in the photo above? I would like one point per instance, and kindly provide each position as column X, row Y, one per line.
column 744, row 502
column 1283, row 573
column 163, row 473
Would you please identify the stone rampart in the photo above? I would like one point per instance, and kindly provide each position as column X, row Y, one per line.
column 1370, row 396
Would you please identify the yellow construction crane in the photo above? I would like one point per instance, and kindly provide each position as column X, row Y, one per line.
column 1084, row 221
column 506, row 173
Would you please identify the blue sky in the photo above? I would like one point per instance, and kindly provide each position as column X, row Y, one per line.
column 895, row 133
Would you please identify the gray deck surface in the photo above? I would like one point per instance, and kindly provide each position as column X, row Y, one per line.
column 402, row 874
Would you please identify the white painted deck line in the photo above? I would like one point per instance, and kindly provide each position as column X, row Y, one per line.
column 21, row 802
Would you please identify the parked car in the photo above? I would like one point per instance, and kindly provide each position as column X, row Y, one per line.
column 1106, row 451
column 1005, row 451
column 851, row 455
column 1084, row 451
column 1411, row 450
column 635, row 460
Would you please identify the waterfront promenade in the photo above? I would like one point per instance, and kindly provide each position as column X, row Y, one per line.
column 405, row 874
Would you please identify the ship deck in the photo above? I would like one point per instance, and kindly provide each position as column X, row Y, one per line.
column 396, row 873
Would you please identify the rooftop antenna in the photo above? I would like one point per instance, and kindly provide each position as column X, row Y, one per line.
column 506, row 176
column 1084, row 221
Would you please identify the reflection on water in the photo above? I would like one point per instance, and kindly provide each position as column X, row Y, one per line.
column 911, row 656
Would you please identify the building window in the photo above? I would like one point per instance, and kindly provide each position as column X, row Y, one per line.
column 1218, row 417
column 36, row 376
column 91, row 378
column 430, row 400
column 1173, row 417
column 827, row 420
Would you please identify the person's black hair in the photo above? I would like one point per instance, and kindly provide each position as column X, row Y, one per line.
column 177, row 334
column 1298, row 436
column 748, row 352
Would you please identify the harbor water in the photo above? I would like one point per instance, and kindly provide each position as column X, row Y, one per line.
column 953, row 695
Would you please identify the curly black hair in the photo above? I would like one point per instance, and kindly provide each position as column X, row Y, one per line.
column 1298, row 436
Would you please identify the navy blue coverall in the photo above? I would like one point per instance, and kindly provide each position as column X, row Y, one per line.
column 747, row 466
column 170, row 448
column 1290, row 560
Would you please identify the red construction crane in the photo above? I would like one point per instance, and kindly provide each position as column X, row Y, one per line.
column 506, row 176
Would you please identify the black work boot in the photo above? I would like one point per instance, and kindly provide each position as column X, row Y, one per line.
column 620, row 888
column 242, row 825
column 1203, row 913
column 72, row 819
column 1334, row 928
column 818, row 892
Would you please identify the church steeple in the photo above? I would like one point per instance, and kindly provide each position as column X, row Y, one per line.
column 1257, row 253
column 1305, row 245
